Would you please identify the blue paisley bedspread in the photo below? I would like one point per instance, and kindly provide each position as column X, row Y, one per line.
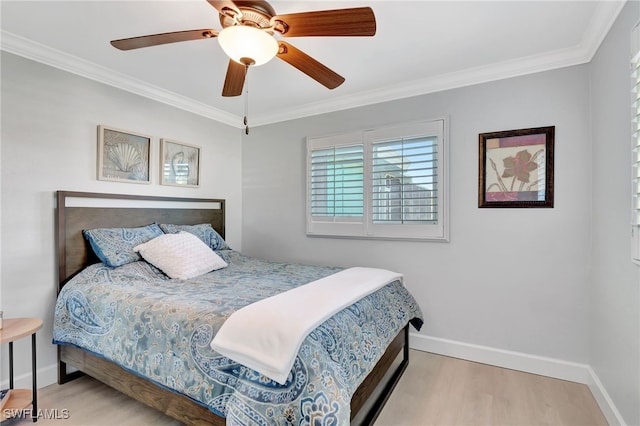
column 161, row 328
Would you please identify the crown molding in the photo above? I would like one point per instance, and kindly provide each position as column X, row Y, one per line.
column 602, row 20
column 38, row 52
column 454, row 80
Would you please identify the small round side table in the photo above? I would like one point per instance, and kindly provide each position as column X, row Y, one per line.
column 19, row 399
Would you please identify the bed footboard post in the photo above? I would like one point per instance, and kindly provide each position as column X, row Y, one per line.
column 63, row 375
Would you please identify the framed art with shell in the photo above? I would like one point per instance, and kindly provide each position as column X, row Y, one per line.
column 123, row 156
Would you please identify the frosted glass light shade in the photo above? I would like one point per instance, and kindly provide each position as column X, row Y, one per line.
column 241, row 42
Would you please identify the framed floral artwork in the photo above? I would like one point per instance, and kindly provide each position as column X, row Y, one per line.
column 516, row 168
column 123, row 156
column 179, row 164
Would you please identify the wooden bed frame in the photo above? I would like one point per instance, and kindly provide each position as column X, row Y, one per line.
column 84, row 210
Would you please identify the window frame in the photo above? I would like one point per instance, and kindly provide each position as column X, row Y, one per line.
column 363, row 227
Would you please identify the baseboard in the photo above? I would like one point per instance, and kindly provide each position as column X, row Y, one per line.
column 544, row 366
column 47, row 375
column 603, row 399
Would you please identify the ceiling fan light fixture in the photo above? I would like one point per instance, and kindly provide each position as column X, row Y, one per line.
column 248, row 45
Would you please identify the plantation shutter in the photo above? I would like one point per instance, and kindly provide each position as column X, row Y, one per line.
column 335, row 185
column 337, row 181
column 406, row 185
column 635, row 142
column 405, row 181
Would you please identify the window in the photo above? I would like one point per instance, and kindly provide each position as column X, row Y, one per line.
column 635, row 143
column 338, row 183
column 382, row 183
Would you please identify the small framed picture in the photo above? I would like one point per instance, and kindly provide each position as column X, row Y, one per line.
column 179, row 163
column 123, row 156
column 516, row 168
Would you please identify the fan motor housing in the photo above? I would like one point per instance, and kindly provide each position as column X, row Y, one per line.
column 254, row 13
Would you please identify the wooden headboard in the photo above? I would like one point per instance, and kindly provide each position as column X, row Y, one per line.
column 87, row 210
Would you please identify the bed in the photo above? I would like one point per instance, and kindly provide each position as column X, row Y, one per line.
column 337, row 377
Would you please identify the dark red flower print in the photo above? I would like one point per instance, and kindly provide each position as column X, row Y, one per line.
column 519, row 167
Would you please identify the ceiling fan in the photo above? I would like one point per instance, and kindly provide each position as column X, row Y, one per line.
column 248, row 38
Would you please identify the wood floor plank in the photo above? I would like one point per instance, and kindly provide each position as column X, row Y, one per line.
column 435, row 390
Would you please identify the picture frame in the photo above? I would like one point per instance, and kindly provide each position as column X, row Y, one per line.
column 516, row 168
column 179, row 164
column 123, row 156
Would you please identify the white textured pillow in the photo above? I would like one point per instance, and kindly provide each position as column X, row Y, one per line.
column 181, row 255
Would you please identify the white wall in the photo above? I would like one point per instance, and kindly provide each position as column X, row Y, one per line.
column 615, row 282
column 510, row 279
column 49, row 139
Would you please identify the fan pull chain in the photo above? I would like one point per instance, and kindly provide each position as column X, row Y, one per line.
column 246, row 102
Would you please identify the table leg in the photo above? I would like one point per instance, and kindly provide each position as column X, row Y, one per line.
column 10, row 365
column 34, row 376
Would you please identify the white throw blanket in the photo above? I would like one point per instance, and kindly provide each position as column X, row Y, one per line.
column 267, row 334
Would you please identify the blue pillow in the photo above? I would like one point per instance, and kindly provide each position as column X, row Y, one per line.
column 203, row 231
column 114, row 246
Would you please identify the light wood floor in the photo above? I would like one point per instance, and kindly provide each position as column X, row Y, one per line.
column 435, row 390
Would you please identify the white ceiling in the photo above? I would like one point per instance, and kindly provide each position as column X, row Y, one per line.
column 420, row 47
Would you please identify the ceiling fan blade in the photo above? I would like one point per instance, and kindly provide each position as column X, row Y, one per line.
column 234, row 81
column 225, row 7
column 164, row 38
column 309, row 66
column 359, row 21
